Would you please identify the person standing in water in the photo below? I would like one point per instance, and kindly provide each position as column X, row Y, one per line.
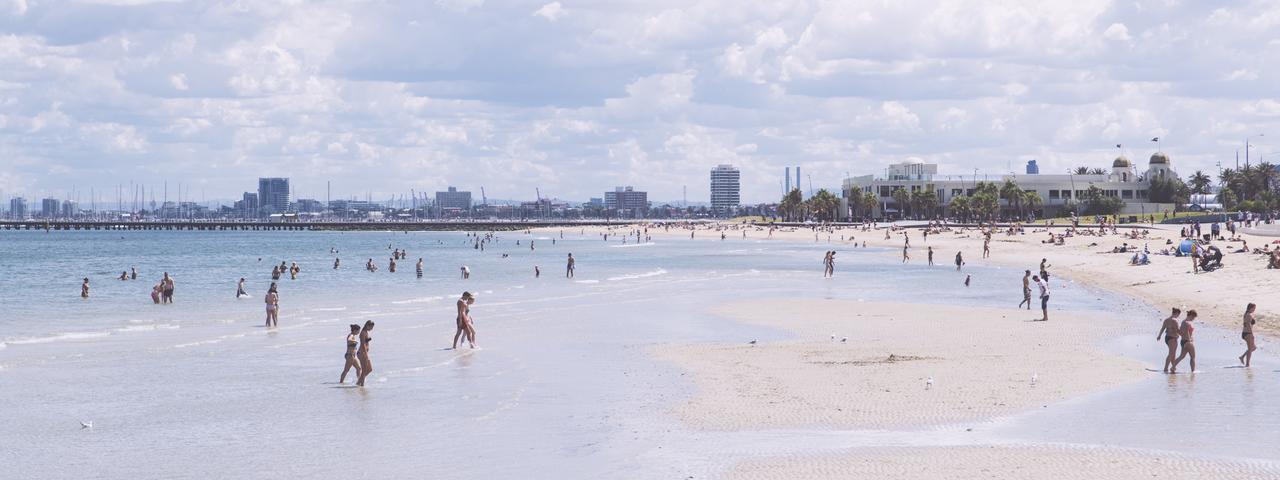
column 391, row 265
column 155, row 293
column 167, row 295
column 959, row 261
column 362, row 353
column 465, row 328
column 537, row 272
column 930, row 255
column 1247, row 334
column 84, row 288
column 133, row 273
column 1044, row 297
column 1044, row 269
column 240, row 288
column 273, row 306
column 336, row 262
column 569, row 267
column 1026, row 290
column 1187, row 332
column 419, row 267
column 1169, row 332
column 353, row 339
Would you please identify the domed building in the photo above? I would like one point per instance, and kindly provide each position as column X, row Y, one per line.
column 1159, row 166
column 1123, row 169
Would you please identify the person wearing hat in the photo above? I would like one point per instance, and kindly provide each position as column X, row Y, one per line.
column 465, row 327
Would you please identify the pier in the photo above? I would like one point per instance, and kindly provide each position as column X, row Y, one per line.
column 233, row 225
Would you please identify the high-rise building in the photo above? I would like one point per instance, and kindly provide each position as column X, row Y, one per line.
column 18, row 208
column 70, row 209
column 1032, row 168
column 247, row 206
column 453, row 201
column 633, row 203
column 726, row 188
column 49, row 207
column 273, row 195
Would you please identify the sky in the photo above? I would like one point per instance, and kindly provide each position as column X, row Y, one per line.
column 571, row 98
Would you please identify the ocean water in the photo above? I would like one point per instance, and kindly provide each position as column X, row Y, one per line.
column 562, row 386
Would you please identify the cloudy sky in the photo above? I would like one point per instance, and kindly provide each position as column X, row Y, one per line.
column 574, row 97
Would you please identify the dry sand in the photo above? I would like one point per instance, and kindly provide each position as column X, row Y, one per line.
column 982, row 361
column 1003, row 462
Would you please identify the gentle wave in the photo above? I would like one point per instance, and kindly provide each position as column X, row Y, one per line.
column 629, row 245
column 634, row 276
column 61, row 337
column 329, row 309
column 146, row 328
column 417, row 300
column 586, row 281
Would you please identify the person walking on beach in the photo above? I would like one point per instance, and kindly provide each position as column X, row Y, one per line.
column 959, row 261
column 569, row 267
column 1044, row 297
column 84, row 288
column 273, row 306
column 1247, row 334
column 362, row 353
column 1195, row 256
column 831, row 264
column 353, row 339
column 986, row 247
column 465, row 327
column 1169, row 331
column 240, row 289
column 930, row 255
column 1026, row 290
column 1187, row 332
column 905, row 256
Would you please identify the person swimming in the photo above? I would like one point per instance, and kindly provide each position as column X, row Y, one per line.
column 353, row 339
column 240, row 289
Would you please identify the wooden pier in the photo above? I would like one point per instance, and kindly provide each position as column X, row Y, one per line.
column 223, row 225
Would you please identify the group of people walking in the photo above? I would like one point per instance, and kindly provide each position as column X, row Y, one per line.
column 1182, row 336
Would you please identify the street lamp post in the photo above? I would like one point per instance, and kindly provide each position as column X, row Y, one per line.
column 1246, row 147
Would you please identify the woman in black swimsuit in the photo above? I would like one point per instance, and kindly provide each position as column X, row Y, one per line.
column 1169, row 329
column 1247, row 334
column 353, row 339
column 362, row 354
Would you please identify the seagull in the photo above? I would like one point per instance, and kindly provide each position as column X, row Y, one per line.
column 844, row 339
column 84, row 424
column 1035, row 377
column 928, row 383
column 753, row 342
column 833, row 337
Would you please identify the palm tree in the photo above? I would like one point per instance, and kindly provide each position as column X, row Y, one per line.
column 929, row 201
column 1082, row 170
column 823, row 205
column 855, row 199
column 1098, row 171
column 1012, row 194
column 869, row 202
column 1199, row 183
column 1032, row 200
column 789, row 207
column 901, row 198
column 960, row 207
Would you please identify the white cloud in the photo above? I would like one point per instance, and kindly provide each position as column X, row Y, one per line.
column 551, row 11
column 388, row 96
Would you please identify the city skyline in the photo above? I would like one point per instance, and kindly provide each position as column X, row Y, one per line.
column 571, row 97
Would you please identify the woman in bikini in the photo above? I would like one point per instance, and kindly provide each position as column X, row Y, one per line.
column 353, row 339
column 1187, row 333
column 273, row 306
column 1247, row 334
column 465, row 328
column 362, row 354
column 1169, row 330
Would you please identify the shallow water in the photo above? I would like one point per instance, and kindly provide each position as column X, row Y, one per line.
column 562, row 384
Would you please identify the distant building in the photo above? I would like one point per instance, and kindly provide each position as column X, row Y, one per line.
column 308, row 205
column 627, row 201
column 18, row 208
column 50, row 207
column 1032, row 168
column 726, row 189
column 786, row 177
column 453, row 201
column 353, row 207
column 247, row 206
column 596, row 202
column 273, row 195
column 70, row 209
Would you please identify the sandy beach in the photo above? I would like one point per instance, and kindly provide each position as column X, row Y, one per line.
column 981, row 360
